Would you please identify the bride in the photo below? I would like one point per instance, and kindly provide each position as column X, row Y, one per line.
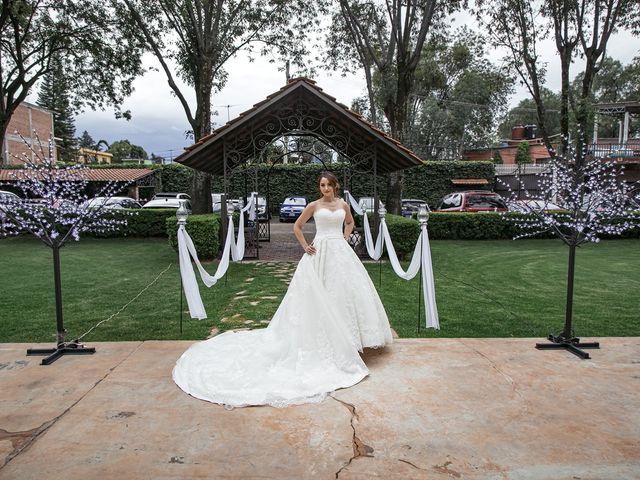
column 330, row 312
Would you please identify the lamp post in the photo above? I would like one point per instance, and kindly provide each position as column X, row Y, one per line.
column 229, row 224
column 423, row 218
column 181, row 214
column 382, row 213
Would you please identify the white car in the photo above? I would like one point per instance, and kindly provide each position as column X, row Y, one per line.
column 169, row 200
column 533, row 204
column 366, row 203
column 111, row 203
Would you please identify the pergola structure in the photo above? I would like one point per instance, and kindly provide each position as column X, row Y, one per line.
column 300, row 108
column 624, row 110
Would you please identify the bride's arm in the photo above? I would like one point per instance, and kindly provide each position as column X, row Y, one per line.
column 297, row 228
column 348, row 221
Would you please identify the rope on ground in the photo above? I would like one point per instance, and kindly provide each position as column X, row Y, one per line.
column 126, row 305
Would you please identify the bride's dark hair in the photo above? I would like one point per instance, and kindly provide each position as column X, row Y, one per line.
column 333, row 181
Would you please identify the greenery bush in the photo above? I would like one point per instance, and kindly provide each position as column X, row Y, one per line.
column 174, row 178
column 144, row 222
column 432, row 181
column 204, row 230
column 429, row 182
column 404, row 233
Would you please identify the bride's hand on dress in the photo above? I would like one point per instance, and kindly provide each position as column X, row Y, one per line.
column 310, row 249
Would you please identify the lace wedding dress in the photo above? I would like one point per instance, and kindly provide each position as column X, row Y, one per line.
column 310, row 348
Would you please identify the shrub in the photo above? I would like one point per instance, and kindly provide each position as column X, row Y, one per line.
column 469, row 226
column 204, row 230
column 404, row 233
column 145, row 222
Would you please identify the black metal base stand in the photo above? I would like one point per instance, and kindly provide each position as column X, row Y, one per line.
column 571, row 344
column 66, row 348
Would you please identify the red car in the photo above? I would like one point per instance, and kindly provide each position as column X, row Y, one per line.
column 472, row 201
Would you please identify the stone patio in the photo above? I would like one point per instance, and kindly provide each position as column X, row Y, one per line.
column 431, row 409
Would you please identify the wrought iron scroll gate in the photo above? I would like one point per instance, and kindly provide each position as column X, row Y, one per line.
column 244, row 151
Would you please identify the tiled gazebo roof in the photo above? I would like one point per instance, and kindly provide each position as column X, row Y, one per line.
column 208, row 153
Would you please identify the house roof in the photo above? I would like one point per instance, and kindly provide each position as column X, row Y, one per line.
column 93, row 174
column 469, row 181
column 328, row 118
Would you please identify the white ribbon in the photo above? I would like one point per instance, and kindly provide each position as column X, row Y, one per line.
column 187, row 251
column 421, row 260
column 374, row 251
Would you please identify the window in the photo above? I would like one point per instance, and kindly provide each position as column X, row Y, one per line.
column 485, row 201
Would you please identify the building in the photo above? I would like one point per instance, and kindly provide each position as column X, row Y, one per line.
column 508, row 148
column 87, row 155
column 30, row 127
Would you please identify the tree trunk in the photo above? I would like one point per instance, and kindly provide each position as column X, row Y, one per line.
column 568, row 320
column 4, row 125
column 60, row 331
column 201, row 181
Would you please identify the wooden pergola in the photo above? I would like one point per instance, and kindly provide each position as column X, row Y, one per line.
column 300, row 108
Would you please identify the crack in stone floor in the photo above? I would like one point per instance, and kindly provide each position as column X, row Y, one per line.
column 360, row 449
column 22, row 441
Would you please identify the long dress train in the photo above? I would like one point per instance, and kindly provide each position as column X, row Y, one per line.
column 310, row 348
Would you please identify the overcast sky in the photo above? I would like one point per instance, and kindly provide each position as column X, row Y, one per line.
column 159, row 123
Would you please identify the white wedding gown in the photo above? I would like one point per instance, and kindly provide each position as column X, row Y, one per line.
column 310, row 348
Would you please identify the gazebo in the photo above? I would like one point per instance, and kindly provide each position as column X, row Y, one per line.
column 300, row 108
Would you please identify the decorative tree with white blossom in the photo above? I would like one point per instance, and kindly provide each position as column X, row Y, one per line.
column 55, row 208
column 595, row 202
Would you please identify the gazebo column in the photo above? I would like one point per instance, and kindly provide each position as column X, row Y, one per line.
column 595, row 130
column 223, row 201
column 625, row 128
column 376, row 199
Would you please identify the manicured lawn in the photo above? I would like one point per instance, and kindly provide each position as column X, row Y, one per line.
column 484, row 289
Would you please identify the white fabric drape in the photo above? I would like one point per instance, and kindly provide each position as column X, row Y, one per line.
column 186, row 251
column 420, row 261
column 374, row 251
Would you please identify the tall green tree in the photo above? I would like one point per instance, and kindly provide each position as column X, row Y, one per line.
column 526, row 113
column 458, row 96
column 86, row 141
column 388, row 39
column 579, row 29
column 201, row 36
column 54, row 96
column 98, row 63
column 122, row 149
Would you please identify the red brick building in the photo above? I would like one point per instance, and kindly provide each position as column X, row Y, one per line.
column 33, row 123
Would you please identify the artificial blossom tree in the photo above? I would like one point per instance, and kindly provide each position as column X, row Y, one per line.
column 55, row 209
column 595, row 203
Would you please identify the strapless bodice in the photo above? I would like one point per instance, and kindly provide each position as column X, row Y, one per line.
column 328, row 222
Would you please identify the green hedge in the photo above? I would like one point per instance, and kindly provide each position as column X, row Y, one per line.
column 429, row 182
column 144, row 222
column 469, row 226
column 204, row 230
column 432, row 181
column 404, row 233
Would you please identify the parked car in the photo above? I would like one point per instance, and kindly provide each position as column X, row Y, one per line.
column 7, row 200
column 536, row 204
column 366, row 203
column 216, row 200
column 261, row 209
column 168, row 200
column 111, row 203
column 411, row 206
column 472, row 201
column 292, row 207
